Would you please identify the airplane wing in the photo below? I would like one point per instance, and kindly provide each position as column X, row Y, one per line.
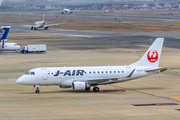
column 31, row 26
column 158, row 69
column 52, row 24
column 99, row 80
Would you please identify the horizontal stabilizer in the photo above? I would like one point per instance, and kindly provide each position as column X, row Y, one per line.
column 161, row 69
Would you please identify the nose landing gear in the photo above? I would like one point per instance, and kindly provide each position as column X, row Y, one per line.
column 37, row 88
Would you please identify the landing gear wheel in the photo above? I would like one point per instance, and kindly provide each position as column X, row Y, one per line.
column 96, row 89
column 37, row 88
column 37, row 91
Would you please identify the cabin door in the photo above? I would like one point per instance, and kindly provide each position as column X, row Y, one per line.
column 44, row 74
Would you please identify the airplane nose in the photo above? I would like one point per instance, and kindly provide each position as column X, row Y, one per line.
column 19, row 81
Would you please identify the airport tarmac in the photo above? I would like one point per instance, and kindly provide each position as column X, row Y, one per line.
column 153, row 97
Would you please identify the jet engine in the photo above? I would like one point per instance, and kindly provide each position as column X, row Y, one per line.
column 81, row 86
column 31, row 27
column 45, row 28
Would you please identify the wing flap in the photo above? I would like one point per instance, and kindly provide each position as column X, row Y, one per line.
column 99, row 80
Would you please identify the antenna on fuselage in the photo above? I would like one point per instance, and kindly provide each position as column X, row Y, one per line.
column 88, row 65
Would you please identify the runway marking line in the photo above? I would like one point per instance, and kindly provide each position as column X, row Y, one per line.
column 155, row 104
column 148, row 93
column 175, row 97
column 156, row 94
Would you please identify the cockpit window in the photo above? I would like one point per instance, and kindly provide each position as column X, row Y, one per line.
column 30, row 73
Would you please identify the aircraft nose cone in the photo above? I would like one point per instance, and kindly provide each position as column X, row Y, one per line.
column 19, row 81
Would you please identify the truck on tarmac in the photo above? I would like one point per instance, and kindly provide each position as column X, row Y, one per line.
column 33, row 48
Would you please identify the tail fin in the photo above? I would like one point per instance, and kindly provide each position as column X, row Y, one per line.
column 43, row 16
column 152, row 55
column 4, row 32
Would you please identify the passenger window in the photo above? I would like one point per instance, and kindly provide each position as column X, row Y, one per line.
column 98, row 71
column 102, row 71
column 122, row 71
column 106, row 71
column 89, row 72
column 114, row 71
column 118, row 71
column 94, row 72
column 110, row 71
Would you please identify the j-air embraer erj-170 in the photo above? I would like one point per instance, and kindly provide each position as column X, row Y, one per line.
column 3, row 36
column 40, row 24
column 83, row 78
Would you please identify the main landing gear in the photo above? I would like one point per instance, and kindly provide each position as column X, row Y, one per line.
column 96, row 89
column 37, row 88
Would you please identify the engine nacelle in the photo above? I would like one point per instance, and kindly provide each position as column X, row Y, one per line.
column 64, row 86
column 31, row 27
column 45, row 28
column 80, row 86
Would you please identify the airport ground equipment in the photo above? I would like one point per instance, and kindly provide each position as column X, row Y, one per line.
column 33, row 48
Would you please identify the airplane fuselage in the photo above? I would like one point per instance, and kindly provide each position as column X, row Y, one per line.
column 65, row 76
column 40, row 24
column 10, row 46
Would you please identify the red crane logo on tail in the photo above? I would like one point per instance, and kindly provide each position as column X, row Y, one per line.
column 152, row 56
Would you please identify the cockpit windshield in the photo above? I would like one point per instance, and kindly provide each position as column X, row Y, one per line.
column 30, row 73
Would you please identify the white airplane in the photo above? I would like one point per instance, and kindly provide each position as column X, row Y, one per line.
column 82, row 78
column 67, row 11
column 40, row 24
column 3, row 36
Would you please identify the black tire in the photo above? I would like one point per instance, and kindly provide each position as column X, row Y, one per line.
column 96, row 89
column 37, row 91
column 88, row 89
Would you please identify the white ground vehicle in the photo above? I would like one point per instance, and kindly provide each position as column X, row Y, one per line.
column 33, row 48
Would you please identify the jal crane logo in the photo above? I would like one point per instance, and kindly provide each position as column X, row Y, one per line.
column 152, row 56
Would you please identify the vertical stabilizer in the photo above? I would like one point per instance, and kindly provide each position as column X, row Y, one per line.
column 4, row 32
column 1, row 2
column 152, row 55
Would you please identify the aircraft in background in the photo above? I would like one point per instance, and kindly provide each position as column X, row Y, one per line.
column 83, row 78
column 3, row 36
column 66, row 11
column 40, row 24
